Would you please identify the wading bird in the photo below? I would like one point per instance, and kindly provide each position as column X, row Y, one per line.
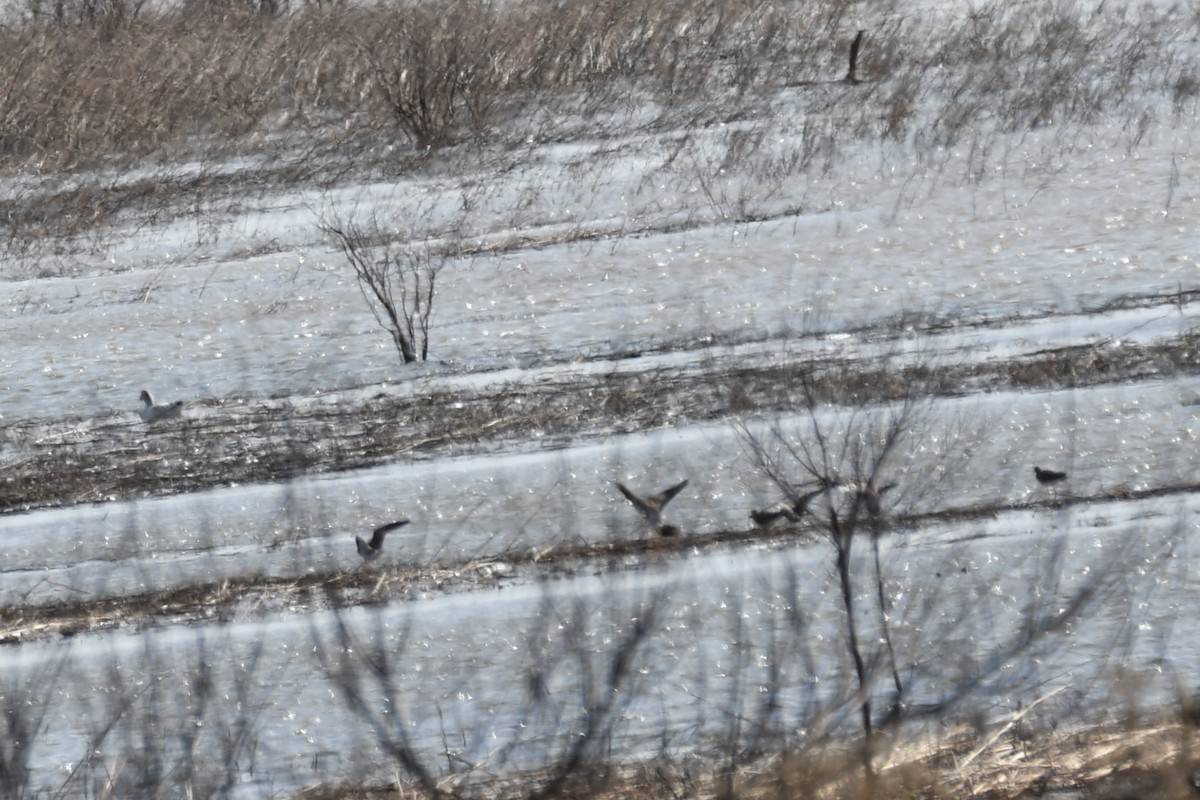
column 369, row 550
column 152, row 413
column 652, row 507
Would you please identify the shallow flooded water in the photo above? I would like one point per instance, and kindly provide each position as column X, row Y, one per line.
column 716, row 644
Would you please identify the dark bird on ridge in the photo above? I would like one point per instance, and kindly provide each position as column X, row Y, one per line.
column 772, row 514
column 369, row 550
column 652, row 506
column 1047, row 477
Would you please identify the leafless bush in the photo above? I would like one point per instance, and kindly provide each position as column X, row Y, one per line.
column 433, row 64
column 199, row 78
column 201, row 752
column 398, row 282
column 102, row 15
column 169, row 729
column 845, row 464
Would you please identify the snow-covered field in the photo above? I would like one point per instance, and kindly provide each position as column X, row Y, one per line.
column 626, row 254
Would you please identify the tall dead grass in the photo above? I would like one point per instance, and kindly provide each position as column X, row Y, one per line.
column 84, row 87
column 88, row 83
column 92, row 88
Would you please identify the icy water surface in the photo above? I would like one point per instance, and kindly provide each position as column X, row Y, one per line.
column 967, row 452
column 590, row 258
column 718, row 627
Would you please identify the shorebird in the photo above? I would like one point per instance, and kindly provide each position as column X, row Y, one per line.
column 152, row 413
column 652, row 506
column 369, row 550
column 1049, row 477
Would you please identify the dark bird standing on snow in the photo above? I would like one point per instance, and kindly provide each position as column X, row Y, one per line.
column 784, row 509
column 1047, row 477
column 369, row 550
column 652, row 507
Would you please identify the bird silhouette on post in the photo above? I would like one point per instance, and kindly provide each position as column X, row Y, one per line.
column 369, row 550
column 855, row 46
column 652, row 506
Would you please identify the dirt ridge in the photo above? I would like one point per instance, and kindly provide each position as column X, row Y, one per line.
column 51, row 463
column 223, row 601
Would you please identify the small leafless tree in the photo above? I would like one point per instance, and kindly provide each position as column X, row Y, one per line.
column 836, row 462
column 397, row 281
column 841, row 467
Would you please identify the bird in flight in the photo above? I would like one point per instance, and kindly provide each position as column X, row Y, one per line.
column 791, row 509
column 369, row 550
column 784, row 509
column 652, row 506
column 152, row 413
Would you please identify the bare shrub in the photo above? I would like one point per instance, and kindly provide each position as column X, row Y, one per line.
column 432, row 63
column 87, row 82
column 103, row 15
column 154, row 78
column 398, row 282
column 142, row 750
column 152, row 726
column 846, row 461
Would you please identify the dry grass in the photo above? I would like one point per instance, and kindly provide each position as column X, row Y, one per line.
column 113, row 85
column 82, row 90
column 102, row 103
column 1157, row 760
column 1004, row 763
